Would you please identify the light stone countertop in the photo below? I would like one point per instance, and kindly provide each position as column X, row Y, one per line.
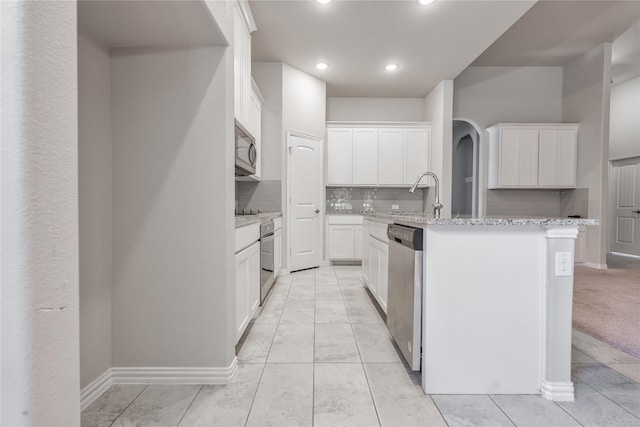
column 242, row 220
column 428, row 219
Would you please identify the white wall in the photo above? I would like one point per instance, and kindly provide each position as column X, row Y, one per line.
column 624, row 135
column 95, row 207
column 586, row 93
column 490, row 95
column 375, row 109
column 438, row 106
column 173, row 294
column 39, row 209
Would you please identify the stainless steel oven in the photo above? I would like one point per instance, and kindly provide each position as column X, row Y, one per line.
column 246, row 153
column 266, row 259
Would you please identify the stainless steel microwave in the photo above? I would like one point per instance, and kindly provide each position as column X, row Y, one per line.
column 246, row 153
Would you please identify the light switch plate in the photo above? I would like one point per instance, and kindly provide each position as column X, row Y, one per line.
column 395, row 207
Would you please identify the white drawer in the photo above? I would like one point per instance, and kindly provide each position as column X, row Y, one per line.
column 246, row 236
column 277, row 223
column 379, row 230
column 344, row 219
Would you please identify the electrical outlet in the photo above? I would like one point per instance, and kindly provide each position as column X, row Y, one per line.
column 395, row 207
column 564, row 264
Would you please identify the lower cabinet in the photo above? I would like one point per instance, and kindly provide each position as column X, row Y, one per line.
column 247, row 286
column 277, row 252
column 580, row 254
column 375, row 261
column 344, row 237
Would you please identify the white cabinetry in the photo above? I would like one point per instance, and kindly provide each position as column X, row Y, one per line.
column 340, row 156
column 277, row 246
column 247, row 276
column 380, row 154
column 365, row 156
column 243, row 25
column 533, row 155
column 580, row 253
column 344, row 237
column 375, row 260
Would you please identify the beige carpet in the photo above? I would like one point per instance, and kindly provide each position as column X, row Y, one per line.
column 606, row 305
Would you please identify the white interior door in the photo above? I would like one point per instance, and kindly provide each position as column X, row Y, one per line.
column 305, row 178
column 625, row 236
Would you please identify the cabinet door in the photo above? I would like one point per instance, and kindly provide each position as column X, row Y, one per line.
column 253, row 293
column 242, row 289
column 416, row 154
column 365, row 156
column 557, row 158
column 518, row 157
column 238, row 42
column 374, row 266
column 366, row 257
column 341, row 241
column 246, row 72
column 339, row 156
column 358, row 242
column 277, row 252
column 391, row 156
column 383, row 277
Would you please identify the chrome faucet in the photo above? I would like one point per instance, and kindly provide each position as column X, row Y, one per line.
column 436, row 205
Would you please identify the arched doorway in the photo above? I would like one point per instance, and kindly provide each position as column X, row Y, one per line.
column 465, row 169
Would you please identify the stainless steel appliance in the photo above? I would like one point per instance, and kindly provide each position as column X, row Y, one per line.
column 246, row 153
column 266, row 259
column 404, row 299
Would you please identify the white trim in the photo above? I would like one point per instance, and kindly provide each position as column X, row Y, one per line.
column 175, row 375
column 596, row 266
column 625, row 255
column 159, row 375
column 558, row 391
column 247, row 15
column 95, row 388
column 338, row 124
column 562, row 233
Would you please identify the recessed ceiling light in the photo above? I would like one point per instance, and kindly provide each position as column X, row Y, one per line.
column 326, row 1
column 322, row 66
column 425, row 2
column 391, row 67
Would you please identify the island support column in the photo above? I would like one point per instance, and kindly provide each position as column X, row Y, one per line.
column 556, row 381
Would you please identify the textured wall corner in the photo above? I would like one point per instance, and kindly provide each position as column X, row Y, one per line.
column 40, row 357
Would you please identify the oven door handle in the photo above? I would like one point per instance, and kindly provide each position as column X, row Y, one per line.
column 267, row 237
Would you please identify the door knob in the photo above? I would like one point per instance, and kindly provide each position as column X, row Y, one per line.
column 317, row 211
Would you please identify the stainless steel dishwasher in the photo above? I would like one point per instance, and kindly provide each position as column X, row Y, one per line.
column 404, row 300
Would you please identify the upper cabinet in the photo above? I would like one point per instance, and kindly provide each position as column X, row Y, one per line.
column 380, row 154
column 243, row 26
column 533, row 155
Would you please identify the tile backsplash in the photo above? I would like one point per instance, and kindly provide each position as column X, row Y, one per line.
column 352, row 199
column 263, row 195
column 549, row 203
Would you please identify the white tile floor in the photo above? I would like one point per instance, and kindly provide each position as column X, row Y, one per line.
column 319, row 355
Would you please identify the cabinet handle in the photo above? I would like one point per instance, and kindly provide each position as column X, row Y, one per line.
column 635, row 211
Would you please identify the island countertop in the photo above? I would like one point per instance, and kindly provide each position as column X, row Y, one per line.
column 422, row 219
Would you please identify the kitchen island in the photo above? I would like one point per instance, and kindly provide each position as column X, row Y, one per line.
column 496, row 303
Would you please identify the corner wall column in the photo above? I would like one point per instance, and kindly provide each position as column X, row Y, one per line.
column 556, row 374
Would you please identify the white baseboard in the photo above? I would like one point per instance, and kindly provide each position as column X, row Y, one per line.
column 596, row 266
column 558, row 391
column 625, row 255
column 95, row 389
column 144, row 375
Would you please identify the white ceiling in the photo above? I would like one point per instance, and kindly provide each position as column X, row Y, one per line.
column 149, row 23
column 554, row 33
column 357, row 38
